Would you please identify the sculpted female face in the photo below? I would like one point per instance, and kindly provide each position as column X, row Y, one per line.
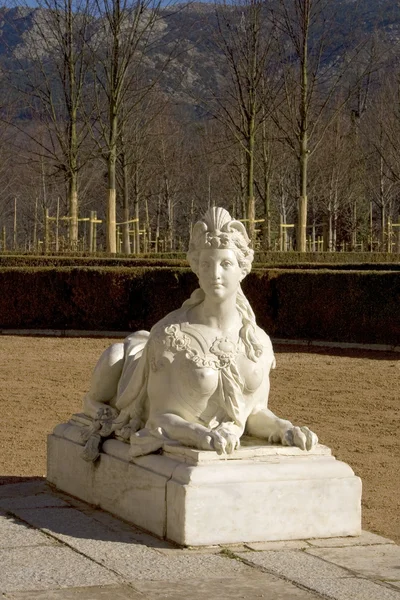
column 219, row 273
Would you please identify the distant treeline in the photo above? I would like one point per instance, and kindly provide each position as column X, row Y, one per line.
column 121, row 122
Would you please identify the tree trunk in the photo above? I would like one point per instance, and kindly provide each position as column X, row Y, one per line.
column 267, row 188
column 73, row 209
column 58, row 225
column 303, row 132
column 170, row 213
column 148, row 227
column 157, row 245
column 354, row 232
column 126, row 243
column 267, row 213
column 15, row 226
column 329, row 228
column 251, row 208
column 111, row 221
column 112, row 186
column 35, row 245
column 46, row 241
column 313, row 236
column 136, row 211
column 73, row 136
column 243, row 205
column 383, row 227
column 382, row 204
column 112, row 205
column 302, row 208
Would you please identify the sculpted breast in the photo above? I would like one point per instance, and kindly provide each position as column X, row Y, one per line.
column 251, row 373
column 177, row 382
column 192, row 379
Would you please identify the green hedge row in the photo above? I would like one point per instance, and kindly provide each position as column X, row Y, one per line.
column 30, row 260
column 345, row 306
column 277, row 260
column 90, row 298
column 294, row 258
column 354, row 258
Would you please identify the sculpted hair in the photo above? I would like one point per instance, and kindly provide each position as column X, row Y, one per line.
column 218, row 230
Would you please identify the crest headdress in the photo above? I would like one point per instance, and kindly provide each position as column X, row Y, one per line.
column 218, row 230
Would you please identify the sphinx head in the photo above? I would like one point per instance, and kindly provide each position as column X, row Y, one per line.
column 217, row 230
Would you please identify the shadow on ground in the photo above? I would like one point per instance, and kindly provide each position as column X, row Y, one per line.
column 9, row 479
column 345, row 352
column 34, row 504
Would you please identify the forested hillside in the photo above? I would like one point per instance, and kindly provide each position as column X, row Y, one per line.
column 122, row 120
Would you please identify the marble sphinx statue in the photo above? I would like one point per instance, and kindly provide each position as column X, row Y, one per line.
column 200, row 378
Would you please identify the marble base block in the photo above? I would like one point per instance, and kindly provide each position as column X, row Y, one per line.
column 193, row 497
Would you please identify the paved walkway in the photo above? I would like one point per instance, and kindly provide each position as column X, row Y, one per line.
column 53, row 547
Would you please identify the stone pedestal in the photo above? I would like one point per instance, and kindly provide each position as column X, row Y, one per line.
column 193, row 497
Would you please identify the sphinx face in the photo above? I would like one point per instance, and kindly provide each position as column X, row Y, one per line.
column 219, row 273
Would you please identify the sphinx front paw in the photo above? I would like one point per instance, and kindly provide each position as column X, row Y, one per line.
column 224, row 441
column 302, row 437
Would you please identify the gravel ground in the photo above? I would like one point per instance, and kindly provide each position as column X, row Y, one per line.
column 349, row 398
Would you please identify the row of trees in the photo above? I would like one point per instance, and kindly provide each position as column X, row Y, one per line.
column 293, row 119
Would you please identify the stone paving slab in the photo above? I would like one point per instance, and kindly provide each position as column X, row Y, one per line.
column 287, row 545
column 44, row 567
column 319, row 575
column 121, row 552
column 395, row 584
column 378, row 562
column 355, row 589
column 295, row 565
column 14, row 534
column 365, row 539
column 175, row 551
column 136, row 535
column 69, row 525
column 225, row 547
column 105, row 519
column 56, row 548
column 184, row 566
column 81, row 593
column 258, row 586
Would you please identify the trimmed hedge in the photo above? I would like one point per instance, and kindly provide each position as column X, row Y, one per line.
column 277, row 260
column 346, row 306
column 30, row 260
column 343, row 306
column 331, row 258
column 90, row 298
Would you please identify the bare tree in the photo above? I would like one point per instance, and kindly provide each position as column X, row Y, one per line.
column 314, row 65
column 52, row 90
column 128, row 30
column 245, row 40
column 138, row 138
column 380, row 136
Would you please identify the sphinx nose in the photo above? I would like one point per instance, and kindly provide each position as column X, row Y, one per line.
column 216, row 273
